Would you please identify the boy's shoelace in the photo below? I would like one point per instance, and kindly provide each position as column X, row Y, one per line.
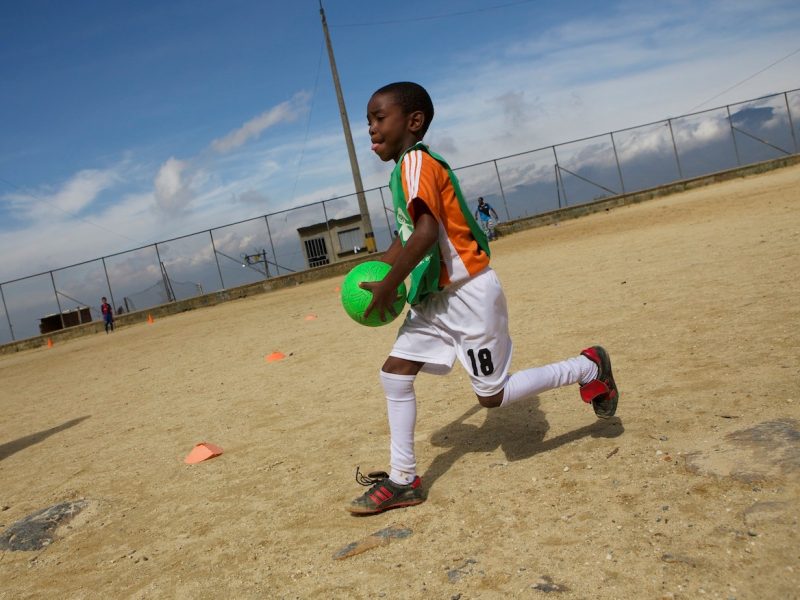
column 370, row 478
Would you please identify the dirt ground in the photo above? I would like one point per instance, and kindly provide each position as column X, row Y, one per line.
column 691, row 492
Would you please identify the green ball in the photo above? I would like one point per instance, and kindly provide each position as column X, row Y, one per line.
column 356, row 300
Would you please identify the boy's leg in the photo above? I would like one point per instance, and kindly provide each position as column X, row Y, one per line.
column 401, row 410
column 592, row 370
column 484, row 348
column 536, row 380
column 402, row 486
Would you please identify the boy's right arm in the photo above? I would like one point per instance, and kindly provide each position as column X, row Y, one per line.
column 394, row 249
column 426, row 233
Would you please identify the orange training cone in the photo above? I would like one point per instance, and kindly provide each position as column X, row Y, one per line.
column 311, row 317
column 49, row 342
column 150, row 319
column 202, row 451
column 275, row 356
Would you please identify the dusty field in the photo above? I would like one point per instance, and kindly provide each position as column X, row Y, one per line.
column 693, row 491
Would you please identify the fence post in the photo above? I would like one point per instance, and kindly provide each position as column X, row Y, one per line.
column 328, row 228
column 8, row 317
column 216, row 258
column 791, row 122
column 559, row 181
column 164, row 276
column 269, row 235
column 58, row 302
column 558, row 187
column 386, row 214
column 733, row 136
column 108, row 283
column 502, row 193
column 616, row 158
column 675, row 148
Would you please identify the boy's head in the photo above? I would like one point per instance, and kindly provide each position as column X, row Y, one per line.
column 103, row 299
column 398, row 114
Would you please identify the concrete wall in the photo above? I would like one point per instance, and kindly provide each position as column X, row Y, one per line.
column 341, row 268
column 573, row 212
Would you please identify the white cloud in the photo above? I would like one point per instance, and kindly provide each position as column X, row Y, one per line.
column 172, row 189
column 282, row 113
column 583, row 78
column 69, row 199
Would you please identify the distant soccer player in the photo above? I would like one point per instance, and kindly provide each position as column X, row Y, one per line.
column 108, row 314
column 458, row 309
column 485, row 212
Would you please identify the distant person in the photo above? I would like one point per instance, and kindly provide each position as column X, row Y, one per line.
column 485, row 212
column 108, row 314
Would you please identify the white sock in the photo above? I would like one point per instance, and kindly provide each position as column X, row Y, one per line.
column 401, row 406
column 540, row 379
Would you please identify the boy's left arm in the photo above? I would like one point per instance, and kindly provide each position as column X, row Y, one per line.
column 426, row 233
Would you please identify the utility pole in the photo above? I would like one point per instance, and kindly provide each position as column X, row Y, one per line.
column 348, row 137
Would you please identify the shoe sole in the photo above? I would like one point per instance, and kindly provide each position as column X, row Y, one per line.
column 605, row 367
column 375, row 511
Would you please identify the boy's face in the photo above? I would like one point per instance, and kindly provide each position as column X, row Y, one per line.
column 390, row 129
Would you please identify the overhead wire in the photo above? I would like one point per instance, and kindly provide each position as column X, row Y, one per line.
column 308, row 123
column 745, row 80
column 434, row 17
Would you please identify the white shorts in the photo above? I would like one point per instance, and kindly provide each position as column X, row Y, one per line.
column 468, row 321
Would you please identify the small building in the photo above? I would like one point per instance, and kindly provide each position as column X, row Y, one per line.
column 66, row 318
column 331, row 242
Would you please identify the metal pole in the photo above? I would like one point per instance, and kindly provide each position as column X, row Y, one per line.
column 108, row 282
column 791, row 123
column 58, row 302
column 502, row 193
column 675, row 148
column 8, row 317
column 386, row 214
column 616, row 158
column 559, row 180
column 266, row 264
column 269, row 235
column 733, row 137
column 369, row 235
column 558, row 187
column 164, row 276
column 216, row 258
column 328, row 227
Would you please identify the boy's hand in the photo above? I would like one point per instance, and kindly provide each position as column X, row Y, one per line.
column 384, row 296
column 403, row 259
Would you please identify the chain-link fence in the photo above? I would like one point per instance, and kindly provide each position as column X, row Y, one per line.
column 520, row 185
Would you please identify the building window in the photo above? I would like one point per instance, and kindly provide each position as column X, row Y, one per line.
column 351, row 239
column 317, row 252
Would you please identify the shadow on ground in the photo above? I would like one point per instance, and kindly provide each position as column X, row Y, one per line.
column 15, row 446
column 518, row 430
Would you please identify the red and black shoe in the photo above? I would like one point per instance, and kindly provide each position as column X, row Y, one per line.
column 384, row 494
column 602, row 392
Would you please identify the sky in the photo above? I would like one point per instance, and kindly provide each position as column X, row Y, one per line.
column 126, row 123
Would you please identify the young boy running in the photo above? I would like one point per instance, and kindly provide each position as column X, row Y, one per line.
column 485, row 212
column 458, row 309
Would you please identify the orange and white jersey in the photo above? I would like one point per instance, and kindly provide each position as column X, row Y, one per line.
column 424, row 177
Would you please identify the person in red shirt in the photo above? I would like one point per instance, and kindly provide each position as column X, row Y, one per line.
column 108, row 314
